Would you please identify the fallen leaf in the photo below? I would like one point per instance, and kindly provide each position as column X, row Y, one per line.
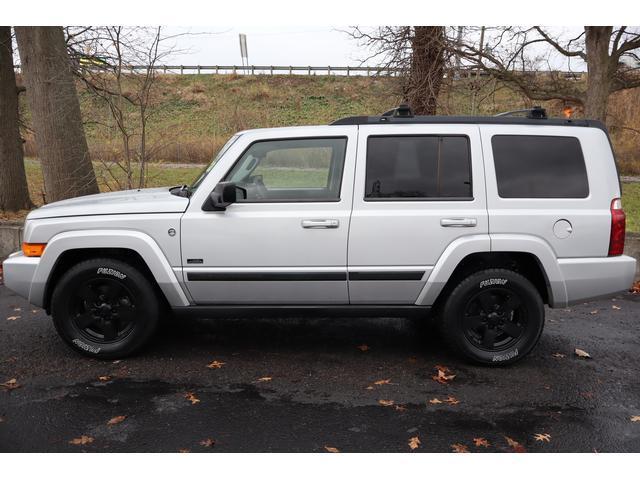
column 10, row 384
column 414, row 442
column 215, row 364
column 370, row 387
column 83, row 440
column 17, row 309
column 442, row 375
column 558, row 355
column 383, row 382
column 14, row 317
column 452, row 400
column 264, row 379
column 386, row 403
column 460, row 448
column 331, row 449
column 208, row 442
column 516, row 446
column 481, row 442
column 363, row 347
column 582, row 353
column 116, row 420
column 192, row 398
column 593, row 312
column 635, row 418
column 616, row 307
column 115, row 362
column 184, row 450
column 400, row 408
column 542, row 437
column 635, row 288
column 435, row 401
column 104, row 378
column 34, row 310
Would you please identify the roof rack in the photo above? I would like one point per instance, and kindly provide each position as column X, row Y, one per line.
column 402, row 110
column 536, row 112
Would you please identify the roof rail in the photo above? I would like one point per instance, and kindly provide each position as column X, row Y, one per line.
column 536, row 112
column 402, row 110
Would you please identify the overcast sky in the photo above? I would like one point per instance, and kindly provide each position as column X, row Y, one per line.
column 267, row 46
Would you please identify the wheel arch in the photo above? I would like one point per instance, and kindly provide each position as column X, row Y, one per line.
column 140, row 249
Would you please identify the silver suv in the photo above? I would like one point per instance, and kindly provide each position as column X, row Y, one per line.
column 480, row 220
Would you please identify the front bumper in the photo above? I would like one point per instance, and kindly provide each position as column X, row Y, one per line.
column 587, row 278
column 19, row 272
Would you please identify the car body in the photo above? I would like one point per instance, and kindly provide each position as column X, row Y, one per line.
column 392, row 214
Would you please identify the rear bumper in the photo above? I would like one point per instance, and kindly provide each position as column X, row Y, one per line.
column 19, row 273
column 587, row 278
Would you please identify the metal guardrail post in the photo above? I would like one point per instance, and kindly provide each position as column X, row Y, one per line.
column 198, row 69
column 181, row 69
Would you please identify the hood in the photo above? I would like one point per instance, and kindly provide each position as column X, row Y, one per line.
column 148, row 200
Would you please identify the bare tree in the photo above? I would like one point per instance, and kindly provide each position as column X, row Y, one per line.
column 14, row 193
column 522, row 58
column 418, row 53
column 108, row 60
column 55, row 111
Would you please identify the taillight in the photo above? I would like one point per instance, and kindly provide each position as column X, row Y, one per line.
column 618, row 221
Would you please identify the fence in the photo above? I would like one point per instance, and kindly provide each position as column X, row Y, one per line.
column 311, row 70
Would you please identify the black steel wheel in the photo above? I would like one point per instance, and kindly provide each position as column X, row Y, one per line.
column 105, row 308
column 494, row 317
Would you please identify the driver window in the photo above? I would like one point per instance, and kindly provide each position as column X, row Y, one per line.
column 293, row 170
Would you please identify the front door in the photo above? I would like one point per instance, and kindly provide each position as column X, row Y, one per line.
column 286, row 243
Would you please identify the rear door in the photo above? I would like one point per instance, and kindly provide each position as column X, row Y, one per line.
column 418, row 188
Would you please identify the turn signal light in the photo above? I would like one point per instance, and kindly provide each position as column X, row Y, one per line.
column 33, row 249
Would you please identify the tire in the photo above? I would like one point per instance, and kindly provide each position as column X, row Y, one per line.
column 493, row 317
column 105, row 308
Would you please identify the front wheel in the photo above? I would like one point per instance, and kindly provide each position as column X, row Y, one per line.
column 493, row 317
column 104, row 308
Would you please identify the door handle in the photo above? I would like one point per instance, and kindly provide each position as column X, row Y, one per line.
column 458, row 222
column 329, row 223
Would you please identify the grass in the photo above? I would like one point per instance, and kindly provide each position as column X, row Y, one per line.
column 631, row 205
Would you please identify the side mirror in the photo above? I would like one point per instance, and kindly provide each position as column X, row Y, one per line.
column 223, row 195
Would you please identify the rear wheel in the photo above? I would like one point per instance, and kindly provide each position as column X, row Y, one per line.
column 104, row 308
column 493, row 317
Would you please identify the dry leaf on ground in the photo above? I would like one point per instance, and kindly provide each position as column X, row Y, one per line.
column 83, row 440
column 10, row 384
column 184, row 450
column 192, row 398
column 331, row 449
column 400, row 408
column 435, row 401
column 208, row 442
column 481, row 442
column 116, row 420
column 452, row 400
column 635, row 418
column 382, row 382
column 215, row 364
column 616, row 307
column 264, row 379
column 516, row 446
column 582, row 354
column 363, row 347
column 13, row 317
column 104, row 378
column 444, row 375
column 460, row 448
column 386, row 403
column 542, row 437
column 414, row 442
column 558, row 355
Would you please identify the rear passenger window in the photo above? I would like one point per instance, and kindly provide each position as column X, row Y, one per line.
column 535, row 166
column 418, row 167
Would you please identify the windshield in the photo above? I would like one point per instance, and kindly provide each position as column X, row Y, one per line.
column 208, row 168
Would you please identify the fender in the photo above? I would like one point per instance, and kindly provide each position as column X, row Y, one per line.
column 140, row 242
column 464, row 246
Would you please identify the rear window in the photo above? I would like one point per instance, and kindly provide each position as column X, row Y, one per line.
column 418, row 167
column 535, row 166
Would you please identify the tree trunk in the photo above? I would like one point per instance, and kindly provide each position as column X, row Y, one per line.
column 599, row 74
column 427, row 69
column 55, row 112
column 14, row 193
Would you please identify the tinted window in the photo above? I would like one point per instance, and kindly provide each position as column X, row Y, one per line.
column 292, row 170
column 418, row 167
column 532, row 166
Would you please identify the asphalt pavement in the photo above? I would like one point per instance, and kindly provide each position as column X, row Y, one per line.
column 317, row 385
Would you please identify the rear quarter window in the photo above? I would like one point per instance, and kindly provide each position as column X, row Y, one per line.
column 537, row 166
